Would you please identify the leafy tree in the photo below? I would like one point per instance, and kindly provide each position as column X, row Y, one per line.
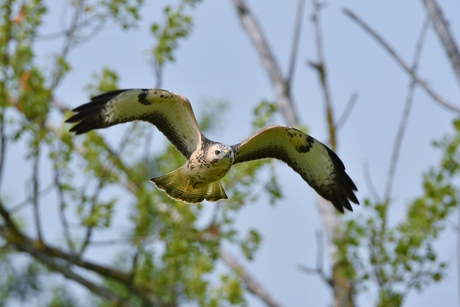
column 167, row 259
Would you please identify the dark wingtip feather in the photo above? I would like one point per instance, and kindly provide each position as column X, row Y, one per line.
column 345, row 187
column 88, row 115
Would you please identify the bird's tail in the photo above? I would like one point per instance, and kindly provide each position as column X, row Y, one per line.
column 176, row 185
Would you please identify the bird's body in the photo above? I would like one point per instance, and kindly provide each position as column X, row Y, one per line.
column 209, row 161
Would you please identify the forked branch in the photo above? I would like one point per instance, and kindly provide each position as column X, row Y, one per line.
column 401, row 62
column 283, row 97
column 442, row 29
column 253, row 285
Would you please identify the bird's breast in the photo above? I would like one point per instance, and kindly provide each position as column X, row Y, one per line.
column 200, row 171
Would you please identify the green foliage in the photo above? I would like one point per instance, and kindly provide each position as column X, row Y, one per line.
column 18, row 283
column 170, row 258
column 61, row 297
column 251, row 243
column 171, row 249
column 106, row 81
column 124, row 12
column 401, row 258
column 177, row 25
column 264, row 113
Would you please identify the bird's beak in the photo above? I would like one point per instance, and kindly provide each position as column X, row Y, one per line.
column 227, row 153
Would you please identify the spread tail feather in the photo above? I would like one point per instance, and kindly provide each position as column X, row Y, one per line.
column 176, row 185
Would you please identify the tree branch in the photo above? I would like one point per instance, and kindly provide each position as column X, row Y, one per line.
column 405, row 115
column 319, row 262
column 69, row 40
column 2, row 143
column 370, row 184
column 62, row 207
column 253, row 286
column 35, row 192
column 320, row 67
column 295, row 42
column 346, row 113
column 52, row 257
column 17, row 207
column 68, row 273
column 442, row 29
column 283, row 98
column 401, row 62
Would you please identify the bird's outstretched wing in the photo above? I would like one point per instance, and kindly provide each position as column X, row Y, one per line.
column 171, row 113
column 316, row 163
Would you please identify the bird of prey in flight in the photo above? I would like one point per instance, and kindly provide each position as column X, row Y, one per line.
column 209, row 161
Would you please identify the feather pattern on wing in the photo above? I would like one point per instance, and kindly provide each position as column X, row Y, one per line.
column 171, row 113
column 316, row 163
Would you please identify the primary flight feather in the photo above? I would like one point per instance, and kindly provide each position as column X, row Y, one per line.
column 209, row 161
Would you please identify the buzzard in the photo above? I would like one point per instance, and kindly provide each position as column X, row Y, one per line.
column 209, row 161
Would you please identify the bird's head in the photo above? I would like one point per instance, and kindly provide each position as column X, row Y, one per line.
column 219, row 153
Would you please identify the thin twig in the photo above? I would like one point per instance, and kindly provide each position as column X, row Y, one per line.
column 319, row 261
column 369, row 183
column 401, row 62
column 19, row 206
column 458, row 253
column 405, row 115
column 69, row 39
column 2, row 143
column 346, row 113
column 253, row 286
column 320, row 66
column 110, row 242
column 148, row 142
column 35, row 193
column 283, row 98
column 62, row 207
column 5, row 71
column 295, row 42
column 442, row 29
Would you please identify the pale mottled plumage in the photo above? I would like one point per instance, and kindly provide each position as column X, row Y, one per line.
column 208, row 161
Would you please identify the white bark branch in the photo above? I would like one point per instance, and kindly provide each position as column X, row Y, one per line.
column 442, row 29
column 253, row 285
column 280, row 85
column 401, row 62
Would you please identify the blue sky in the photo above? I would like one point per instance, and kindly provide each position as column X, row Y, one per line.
column 218, row 61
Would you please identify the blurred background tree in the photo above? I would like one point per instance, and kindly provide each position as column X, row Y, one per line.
column 167, row 253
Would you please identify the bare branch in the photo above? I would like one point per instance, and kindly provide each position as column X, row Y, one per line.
column 283, row 97
column 458, row 252
column 319, row 261
column 68, row 273
column 401, row 62
column 346, row 113
column 320, row 66
column 110, row 242
column 47, row 255
column 28, row 200
column 35, row 193
column 10, row 224
column 62, row 207
column 442, row 29
column 2, row 143
column 295, row 42
column 253, row 286
column 370, row 184
column 69, row 39
column 405, row 115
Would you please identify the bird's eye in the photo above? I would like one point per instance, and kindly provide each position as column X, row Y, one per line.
column 217, row 152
